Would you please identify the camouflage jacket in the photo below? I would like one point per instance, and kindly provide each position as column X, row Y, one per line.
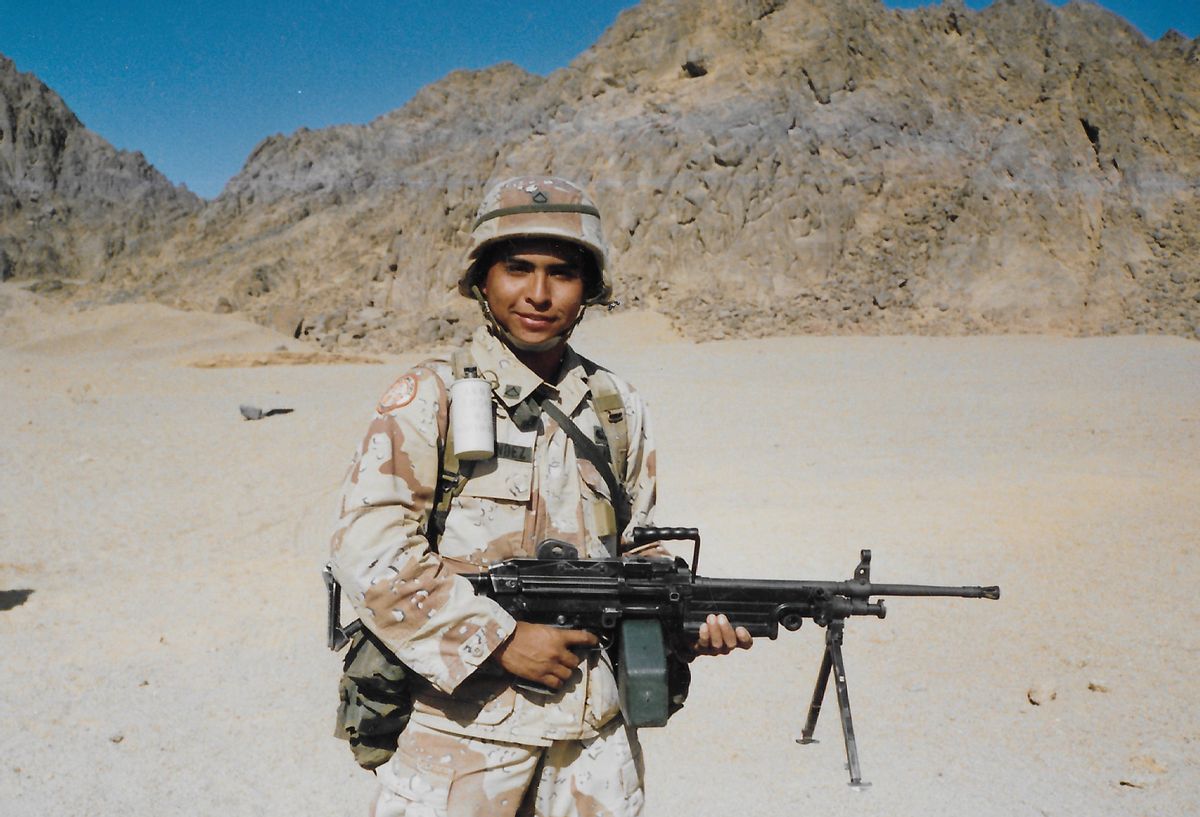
column 412, row 597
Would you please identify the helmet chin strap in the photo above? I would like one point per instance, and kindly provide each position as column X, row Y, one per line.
column 514, row 342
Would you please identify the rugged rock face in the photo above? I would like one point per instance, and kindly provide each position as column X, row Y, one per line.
column 764, row 167
column 69, row 201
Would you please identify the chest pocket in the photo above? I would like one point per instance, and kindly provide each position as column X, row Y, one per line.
column 488, row 515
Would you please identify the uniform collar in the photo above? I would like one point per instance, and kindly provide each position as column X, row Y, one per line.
column 515, row 381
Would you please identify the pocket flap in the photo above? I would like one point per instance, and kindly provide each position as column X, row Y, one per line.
column 500, row 479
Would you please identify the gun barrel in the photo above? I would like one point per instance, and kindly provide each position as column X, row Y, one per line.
column 863, row 589
column 815, row 590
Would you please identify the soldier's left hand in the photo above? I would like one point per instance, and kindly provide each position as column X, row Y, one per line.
column 719, row 637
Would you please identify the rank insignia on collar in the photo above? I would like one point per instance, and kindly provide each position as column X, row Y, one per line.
column 512, row 392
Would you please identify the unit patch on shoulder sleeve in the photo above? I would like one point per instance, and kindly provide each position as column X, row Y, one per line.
column 399, row 395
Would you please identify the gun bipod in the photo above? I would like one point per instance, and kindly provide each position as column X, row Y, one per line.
column 832, row 661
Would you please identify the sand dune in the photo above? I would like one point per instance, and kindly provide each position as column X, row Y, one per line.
column 161, row 611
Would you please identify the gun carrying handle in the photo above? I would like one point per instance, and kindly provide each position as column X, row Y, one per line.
column 647, row 535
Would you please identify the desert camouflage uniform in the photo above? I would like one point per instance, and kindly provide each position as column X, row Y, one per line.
column 536, row 488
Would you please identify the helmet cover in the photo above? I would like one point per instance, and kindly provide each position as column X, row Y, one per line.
column 538, row 207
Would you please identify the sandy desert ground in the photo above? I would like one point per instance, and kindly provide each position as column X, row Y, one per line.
column 161, row 612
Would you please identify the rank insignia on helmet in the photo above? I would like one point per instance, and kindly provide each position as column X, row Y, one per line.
column 539, row 197
column 399, row 395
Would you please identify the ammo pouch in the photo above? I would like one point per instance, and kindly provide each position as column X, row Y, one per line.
column 375, row 700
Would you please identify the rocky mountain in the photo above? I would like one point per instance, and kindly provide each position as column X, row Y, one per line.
column 764, row 167
column 69, row 202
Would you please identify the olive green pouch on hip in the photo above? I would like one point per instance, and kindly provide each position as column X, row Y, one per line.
column 375, row 700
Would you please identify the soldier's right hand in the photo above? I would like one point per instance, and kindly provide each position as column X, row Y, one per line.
column 543, row 654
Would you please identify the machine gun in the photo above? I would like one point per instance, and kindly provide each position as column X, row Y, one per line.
column 645, row 606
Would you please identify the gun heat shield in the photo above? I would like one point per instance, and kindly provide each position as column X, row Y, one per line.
column 472, row 421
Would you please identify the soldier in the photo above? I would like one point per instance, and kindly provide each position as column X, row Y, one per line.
column 481, row 740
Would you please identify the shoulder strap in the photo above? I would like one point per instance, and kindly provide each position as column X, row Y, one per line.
column 450, row 478
column 461, row 360
column 610, row 408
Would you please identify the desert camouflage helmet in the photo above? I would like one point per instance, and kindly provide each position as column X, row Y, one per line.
column 538, row 207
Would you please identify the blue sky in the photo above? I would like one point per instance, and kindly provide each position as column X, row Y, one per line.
column 195, row 86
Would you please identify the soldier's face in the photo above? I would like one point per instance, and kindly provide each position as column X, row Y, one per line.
column 535, row 290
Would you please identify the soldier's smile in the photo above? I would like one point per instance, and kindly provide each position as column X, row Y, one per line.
column 534, row 322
